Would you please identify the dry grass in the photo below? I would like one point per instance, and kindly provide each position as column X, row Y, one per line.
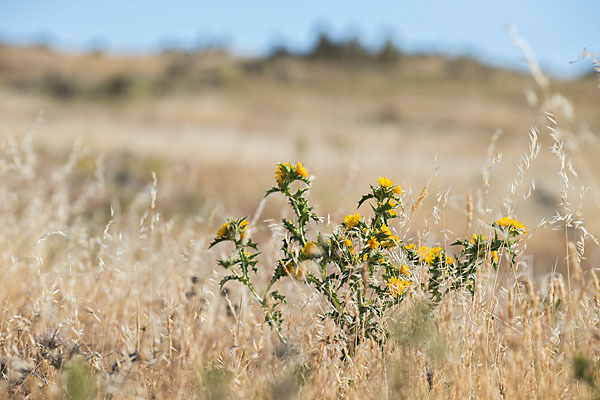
column 127, row 305
column 108, row 288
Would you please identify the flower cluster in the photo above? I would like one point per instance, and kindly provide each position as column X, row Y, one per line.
column 287, row 171
column 350, row 221
column 388, row 183
column 397, row 286
column 513, row 226
column 434, row 255
column 231, row 228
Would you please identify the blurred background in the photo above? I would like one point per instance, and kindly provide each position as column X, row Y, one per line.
column 211, row 96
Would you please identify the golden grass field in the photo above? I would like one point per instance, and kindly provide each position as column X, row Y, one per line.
column 108, row 288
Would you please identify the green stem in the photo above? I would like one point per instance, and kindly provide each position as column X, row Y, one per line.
column 268, row 312
column 293, row 203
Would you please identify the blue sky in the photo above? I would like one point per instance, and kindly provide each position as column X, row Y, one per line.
column 557, row 31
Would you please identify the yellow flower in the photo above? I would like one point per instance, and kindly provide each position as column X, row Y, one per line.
column 433, row 253
column 392, row 203
column 429, row 258
column 495, row 256
column 410, row 246
column 397, row 286
column 244, row 224
column 429, row 254
column 223, row 230
column 480, row 236
column 373, row 243
column 449, row 260
column 392, row 239
column 292, row 269
column 365, row 257
column 301, row 171
column 280, row 171
column 309, row 248
column 392, row 213
column 351, row 220
column 385, row 182
column 386, row 230
column 512, row 224
column 398, row 190
column 391, row 242
column 404, row 270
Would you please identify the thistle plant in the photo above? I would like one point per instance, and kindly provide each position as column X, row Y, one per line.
column 477, row 250
column 353, row 267
column 241, row 263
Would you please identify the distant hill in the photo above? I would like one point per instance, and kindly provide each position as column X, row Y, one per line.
column 40, row 70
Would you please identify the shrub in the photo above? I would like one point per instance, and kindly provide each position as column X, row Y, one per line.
column 355, row 268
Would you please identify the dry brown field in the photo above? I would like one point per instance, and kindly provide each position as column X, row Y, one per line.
column 108, row 289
